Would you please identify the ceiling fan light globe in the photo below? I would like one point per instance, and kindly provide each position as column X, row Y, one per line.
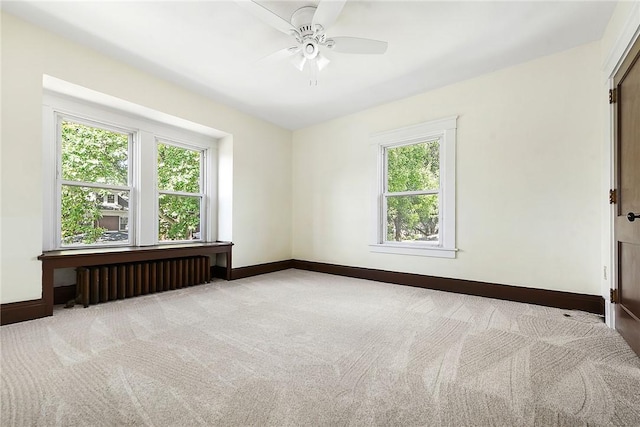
column 299, row 61
column 322, row 61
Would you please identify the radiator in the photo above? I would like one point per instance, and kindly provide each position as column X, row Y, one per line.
column 102, row 283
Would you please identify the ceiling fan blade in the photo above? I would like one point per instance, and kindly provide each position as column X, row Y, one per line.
column 327, row 12
column 267, row 16
column 358, row 45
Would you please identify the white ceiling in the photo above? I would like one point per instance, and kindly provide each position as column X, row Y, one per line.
column 216, row 47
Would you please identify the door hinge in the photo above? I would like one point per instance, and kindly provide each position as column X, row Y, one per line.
column 613, row 197
column 613, row 295
column 613, row 96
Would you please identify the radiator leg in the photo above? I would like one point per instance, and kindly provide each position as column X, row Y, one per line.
column 203, row 269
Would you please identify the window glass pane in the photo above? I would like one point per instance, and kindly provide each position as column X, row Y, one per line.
column 178, row 169
column 88, row 219
column 413, row 167
column 179, row 217
column 412, row 218
column 91, row 154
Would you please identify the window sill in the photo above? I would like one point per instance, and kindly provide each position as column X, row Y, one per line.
column 400, row 249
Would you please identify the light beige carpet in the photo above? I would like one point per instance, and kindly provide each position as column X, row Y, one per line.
column 300, row 348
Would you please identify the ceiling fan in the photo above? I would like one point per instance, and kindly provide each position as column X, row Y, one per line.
column 308, row 25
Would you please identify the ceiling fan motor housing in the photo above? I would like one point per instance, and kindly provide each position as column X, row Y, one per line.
column 302, row 19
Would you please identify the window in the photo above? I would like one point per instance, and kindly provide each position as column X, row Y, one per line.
column 415, row 201
column 411, row 195
column 94, row 165
column 114, row 179
column 179, row 192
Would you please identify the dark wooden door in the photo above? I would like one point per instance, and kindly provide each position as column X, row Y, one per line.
column 627, row 172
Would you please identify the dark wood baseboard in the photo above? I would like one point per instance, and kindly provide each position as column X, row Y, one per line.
column 29, row 310
column 63, row 294
column 20, row 311
column 255, row 270
column 558, row 299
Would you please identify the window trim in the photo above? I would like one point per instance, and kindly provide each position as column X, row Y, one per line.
column 145, row 132
column 445, row 131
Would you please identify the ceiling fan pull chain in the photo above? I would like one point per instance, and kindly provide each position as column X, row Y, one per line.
column 313, row 72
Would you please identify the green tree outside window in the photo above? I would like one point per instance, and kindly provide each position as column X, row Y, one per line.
column 413, row 168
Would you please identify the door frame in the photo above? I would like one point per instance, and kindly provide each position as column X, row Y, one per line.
column 628, row 35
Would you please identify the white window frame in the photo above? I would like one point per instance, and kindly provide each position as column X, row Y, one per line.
column 143, row 204
column 443, row 130
column 59, row 117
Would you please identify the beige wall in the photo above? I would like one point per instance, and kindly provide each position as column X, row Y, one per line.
column 528, row 177
column 625, row 13
column 261, row 211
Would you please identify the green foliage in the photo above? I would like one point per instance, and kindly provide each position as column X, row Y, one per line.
column 412, row 168
column 178, row 170
column 92, row 154
column 80, row 214
column 179, row 217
